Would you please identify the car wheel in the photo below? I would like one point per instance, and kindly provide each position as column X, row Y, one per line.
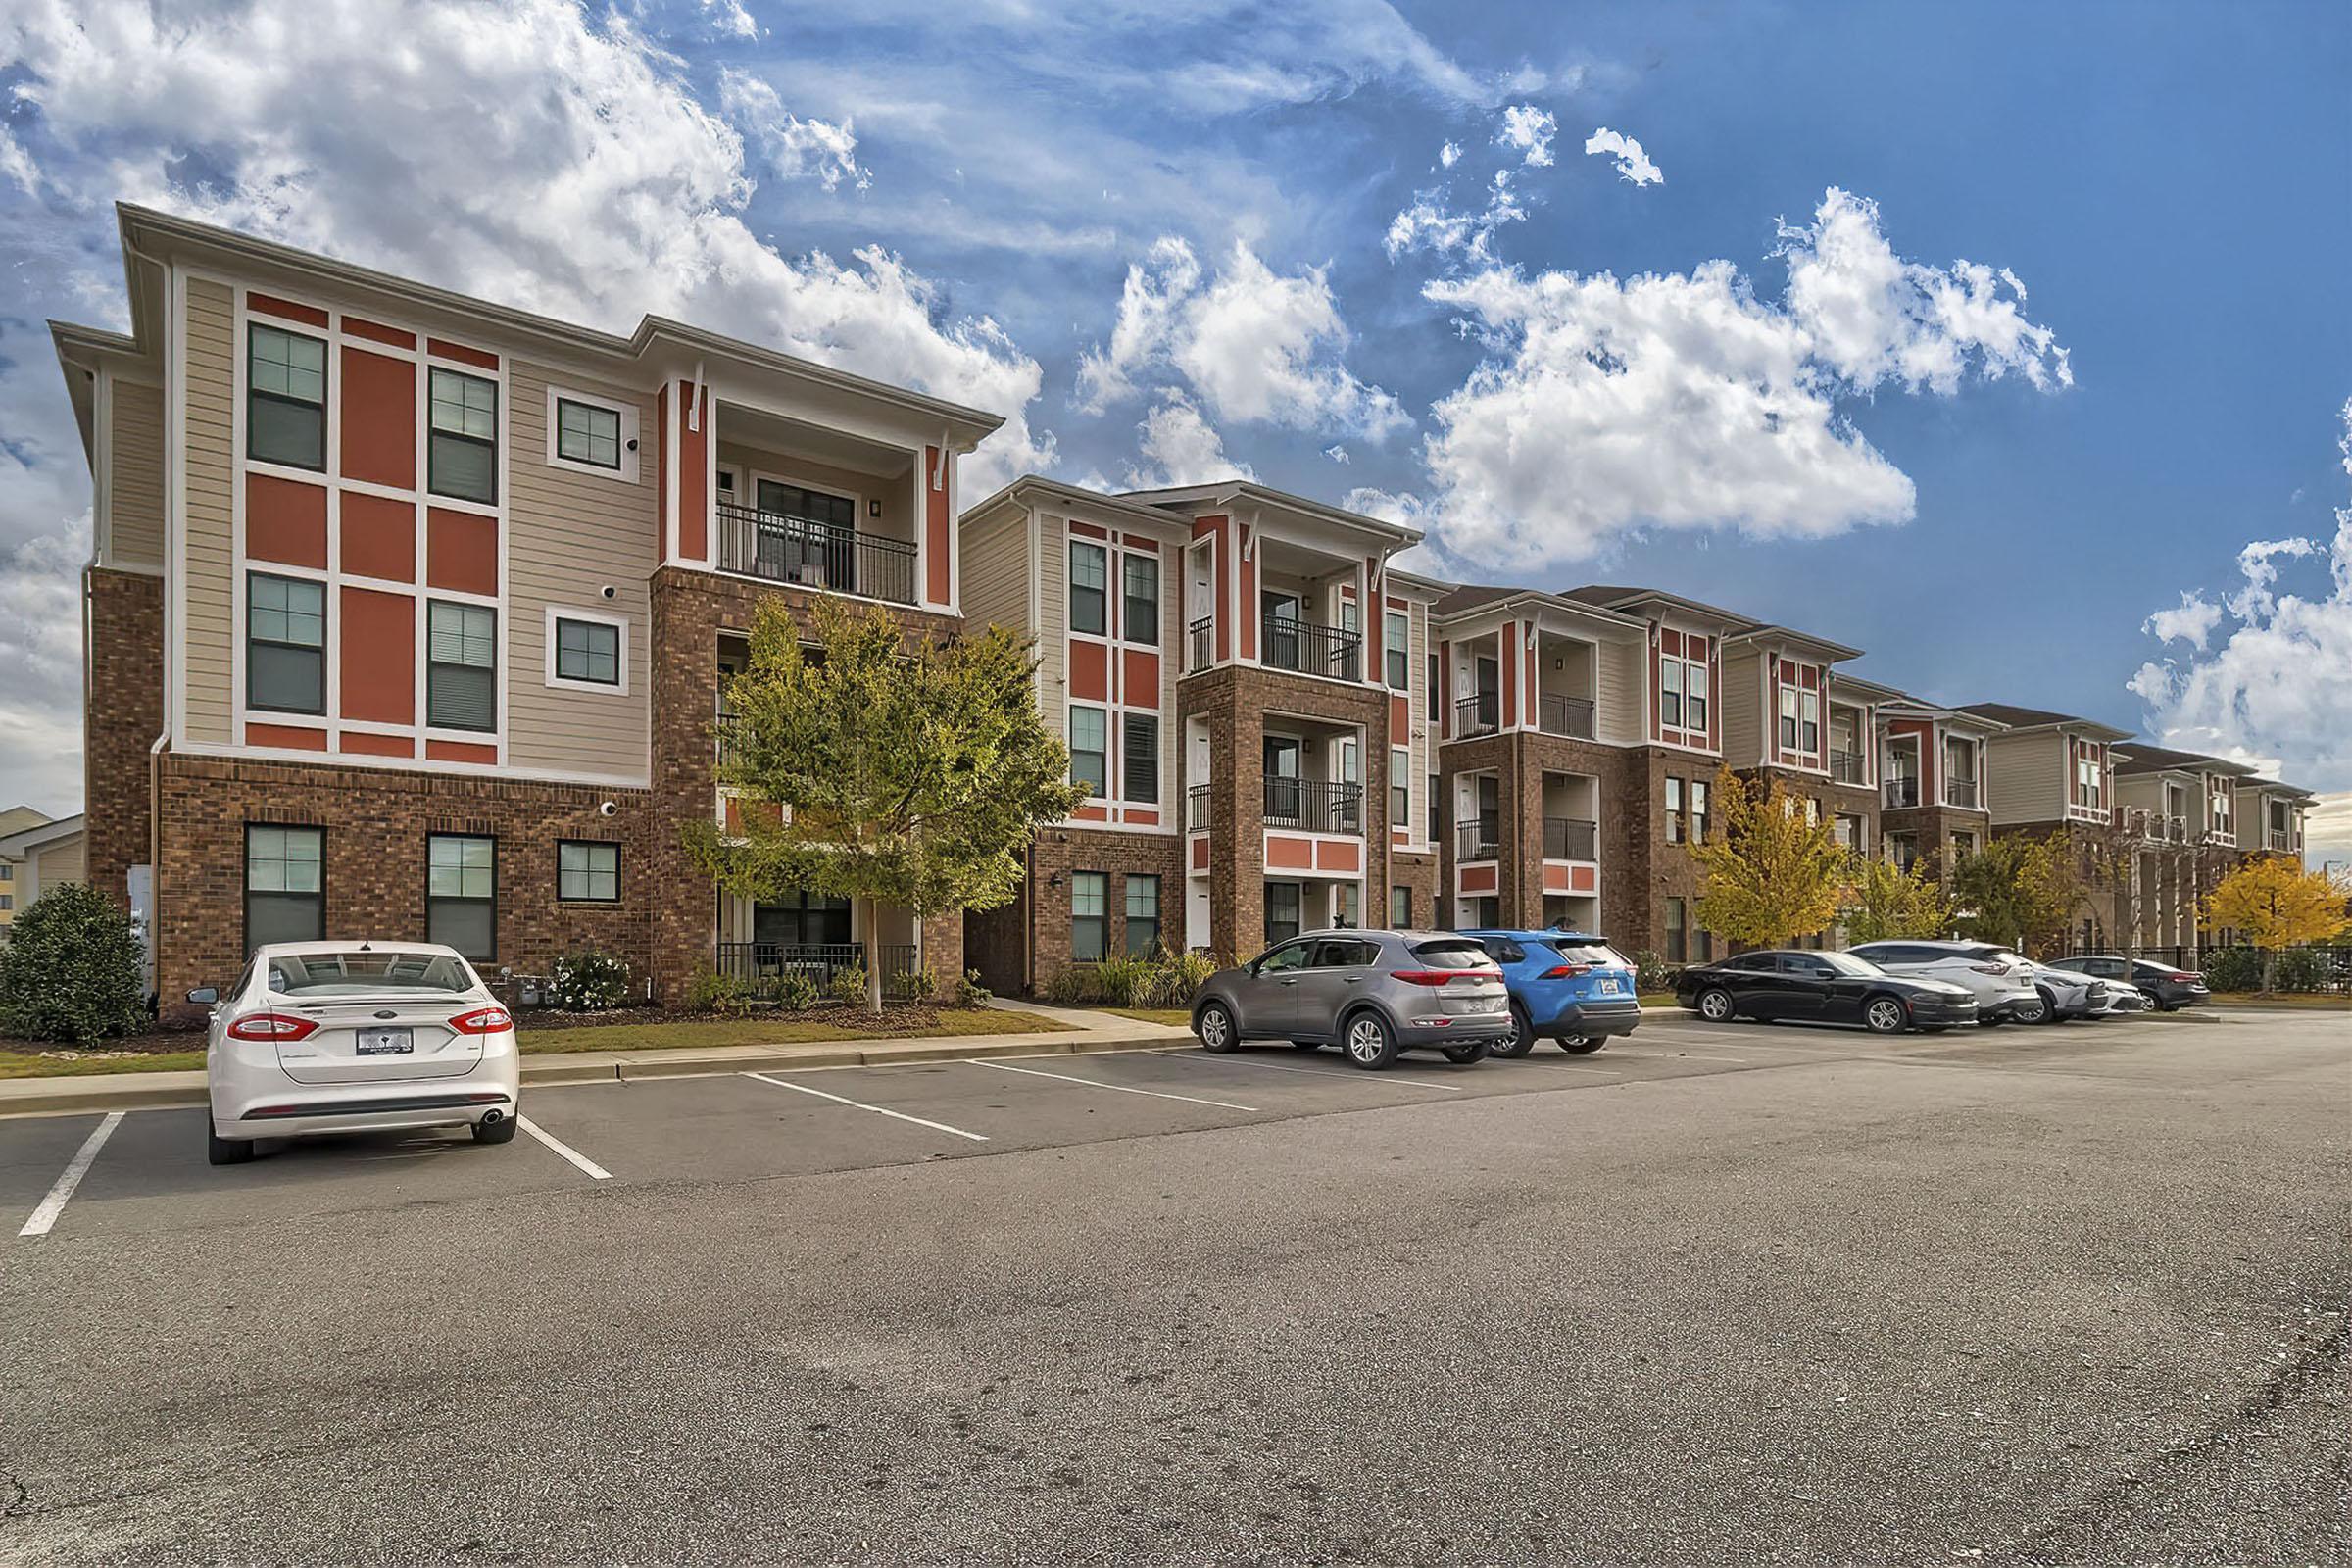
column 1463, row 1055
column 1523, row 1036
column 2049, row 1009
column 1369, row 1043
column 1214, row 1026
column 500, row 1131
column 2034, row 1012
column 1581, row 1045
column 1885, row 1015
column 219, row 1151
column 1715, row 1005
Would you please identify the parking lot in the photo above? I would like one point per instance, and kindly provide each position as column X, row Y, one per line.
column 2057, row 1295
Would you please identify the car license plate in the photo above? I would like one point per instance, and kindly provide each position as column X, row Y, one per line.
column 1608, row 987
column 1482, row 1004
column 386, row 1042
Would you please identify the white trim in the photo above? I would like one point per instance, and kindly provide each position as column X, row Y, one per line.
column 598, row 618
column 102, row 469
column 628, row 439
column 176, row 504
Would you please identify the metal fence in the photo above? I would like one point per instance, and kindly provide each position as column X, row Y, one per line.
column 1568, row 838
column 1477, row 714
column 814, row 555
column 1311, row 648
column 761, row 966
column 1565, row 715
column 1478, row 838
column 1315, row 806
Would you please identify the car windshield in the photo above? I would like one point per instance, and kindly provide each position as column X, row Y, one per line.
column 1452, row 954
column 360, row 973
column 1592, row 953
column 1847, row 964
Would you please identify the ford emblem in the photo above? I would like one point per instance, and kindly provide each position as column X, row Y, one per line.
column 386, row 1012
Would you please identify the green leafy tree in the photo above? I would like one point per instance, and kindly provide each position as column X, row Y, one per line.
column 1770, row 875
column 1884, row 903
column 2274, row 902
column 70, row 970
column 883, row 768
column 2017, row 891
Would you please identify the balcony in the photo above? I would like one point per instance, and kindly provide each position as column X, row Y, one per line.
column 1899, row 793
column 808, row 554
column 2277, row 839
column 1565, row 715
column 1479, row 714
column 1566, row 837
column 764, row 967
column 1846, row 767
column 1478, row 839
column 1960, row 791
column 1308, row 648
column 1196, row 808
column 1314, row 805
column 1201, row 644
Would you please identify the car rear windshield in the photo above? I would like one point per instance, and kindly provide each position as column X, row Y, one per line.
column 1453, row 954
column 357, row 973
column 1595, row 953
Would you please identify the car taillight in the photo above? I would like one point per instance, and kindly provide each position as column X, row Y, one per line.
column 2191, row 978
column 482, row 1021
column 1991, row 968
column 272, row 1026
column 1567, row 971
column 1439, row 977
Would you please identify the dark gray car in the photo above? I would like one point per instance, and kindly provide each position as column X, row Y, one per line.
column 1372, row 993
column 2167, row 988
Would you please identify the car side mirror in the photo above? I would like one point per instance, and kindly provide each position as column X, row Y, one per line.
column 205, row 996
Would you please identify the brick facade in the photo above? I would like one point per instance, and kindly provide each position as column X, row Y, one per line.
column 123, row 653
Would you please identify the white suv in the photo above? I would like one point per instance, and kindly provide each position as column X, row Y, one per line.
column 2001, row 981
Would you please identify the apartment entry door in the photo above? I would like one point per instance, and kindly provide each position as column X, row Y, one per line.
column 806, row 536
column 1284, row 795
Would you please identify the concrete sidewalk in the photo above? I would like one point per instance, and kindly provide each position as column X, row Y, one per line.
column 1087, row 1029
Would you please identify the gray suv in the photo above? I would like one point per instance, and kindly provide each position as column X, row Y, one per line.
column 1373, row 992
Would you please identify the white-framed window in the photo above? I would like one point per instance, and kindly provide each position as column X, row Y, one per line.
column 462, row 439
column 1808, row 706
column 1138, row 617
column 285, row 644
column 1090, row 585
column 1090, row 746
column 592, row 435
column 587, row 650
column 1090, row 916
column 1400, row 628
column 285, row 397
column 1788, row 718
column 461, row 672
column 1401, row 787
column 1694, row 696
column 2087, row 779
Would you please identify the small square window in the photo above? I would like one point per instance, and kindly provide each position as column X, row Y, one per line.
column 588, row 873
column 588, row 433
column 588, row 651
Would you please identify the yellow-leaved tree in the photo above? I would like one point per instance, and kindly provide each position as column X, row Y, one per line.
column 2277, row 903
column 1770, row 875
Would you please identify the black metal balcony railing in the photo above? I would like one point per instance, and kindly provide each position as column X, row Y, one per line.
column 729, row 725
column 1565, row 715
column 1200, row 644
column 814, row 555
column 763, row 966
column 1960, row 791
column 1314, row 805
column 1846, row 767
column 1477, row 714
column 1196, row 808
column 1902, row 792
column 1478, row 839
column 1311, row 648
column 1568, row 838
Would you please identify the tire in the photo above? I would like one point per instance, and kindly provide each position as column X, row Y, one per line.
column 2049, row 1009
column 219, row 1151
column 1990, row 1020
column 1886, row 1015
column 1715, row 1006
column 1368, row 1040
column 1523, row 1036
column 500, row 1131
column 1476, row 1051
column 1214, row 1024
column 1583, row 1045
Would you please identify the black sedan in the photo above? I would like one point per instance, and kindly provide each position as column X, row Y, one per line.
column 2167, row 988
column 1822, row 987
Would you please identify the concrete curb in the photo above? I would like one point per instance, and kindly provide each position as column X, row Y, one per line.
column 167, row 1091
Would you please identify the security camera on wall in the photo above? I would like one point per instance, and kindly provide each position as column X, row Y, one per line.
column 609, row 809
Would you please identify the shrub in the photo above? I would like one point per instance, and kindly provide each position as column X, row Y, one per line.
column 70, row 970
column 1077, row 986
column 909, row 985
column 588, row 981
column 796, row 992
column 1652, row 973
column 1187, row 972
column 711, row 992
column 2234, row 969
column 2300, row 969
column 969, row 991
column 1127, row 981
column 848, row 983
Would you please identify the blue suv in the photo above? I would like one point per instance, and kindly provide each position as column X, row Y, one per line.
column 1568, row 985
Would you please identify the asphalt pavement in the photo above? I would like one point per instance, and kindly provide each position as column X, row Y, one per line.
column 1743, row 1293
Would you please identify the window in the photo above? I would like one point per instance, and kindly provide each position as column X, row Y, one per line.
column 285, row 885
column 1677, row 940
column 1698, row 811
column 1788, row 718
column 1143, row 914
column 1139, row 619
column 8, row 901
column 1437, row 810
column 1670, row 693
column 1401, row 908
column 1282, row 911
column 1674, row 811
column 1401, row 787
column 1090, row 916
column 1139, row 740
column 460, row 894
column 1694, row 696
column 1089, row 578
column 588, row 873
column 1809, row 707
column 1964, row 845
column 587, row 433
column 1344, row 952
column 1350, row 914
column 1400, row 649
column 285, row 397
column 461, row 453
column 285, row 644
column 461, row 677
column 588, row 652
column 1090, row 744
column 2086, row 780
column 8, row 873
column 1706, row 947
column 1437, row 697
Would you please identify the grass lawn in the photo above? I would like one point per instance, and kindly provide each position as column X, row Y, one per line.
column 1656, row 999
column 28, row 1064
column 1175, row 1017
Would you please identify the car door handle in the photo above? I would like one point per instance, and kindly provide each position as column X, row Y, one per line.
column 1289, row 982
column 1351, row 979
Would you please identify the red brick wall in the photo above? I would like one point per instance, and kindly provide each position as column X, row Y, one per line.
column 124, row 653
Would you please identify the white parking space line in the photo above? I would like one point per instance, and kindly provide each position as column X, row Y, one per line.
column 1370, row 1079
column 879, row 1110
column 76, row 1169
column 1117, row 1089
column 564, row 1148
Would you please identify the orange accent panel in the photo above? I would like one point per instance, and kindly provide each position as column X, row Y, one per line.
column 1445, row 714
column 1338, row 856
column 285, row 521
column 661, row 402
column 937, row 586
column 1510, row 675
column 293, row 736
column 694, row 479
column 1085, row 530
column 1139, row 679
column 1672, row 642
column 459, row 752
column 461, row 551
column 1091, row 814
column 379, row 537
column 1555, row 880
column 1788, row 671
column 1478, row 878
column 1247, row 604
column 1089, row 672
column 1401, row 720
column 380, row 656
column 1288, row 853
column 461, row 352
column 379, row 419
column 1582, row 878
column 287, row 309
column 359, row 327
column 1200, row 854
column 1399, row 835
column 1142, row 818
column 378, row 745
column 1695, row 647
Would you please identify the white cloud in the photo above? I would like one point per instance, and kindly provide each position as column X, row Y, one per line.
column 1449, row 155
column 796, row 148
column 1430, row 225
column 1632, row 163
column 1254, row 345
column 1527, row 130
column 1337, row 454
column 1682, row 401
column 2280, row 683
column 1180, row 447
column 730, row 17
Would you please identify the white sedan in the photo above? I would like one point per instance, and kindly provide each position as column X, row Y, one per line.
column 346, row 1037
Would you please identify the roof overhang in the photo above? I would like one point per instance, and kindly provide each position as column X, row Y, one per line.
column 24, row 840
column 1036, row 490
column 1227, row 494
column 1901, row 707
column 1787, row 637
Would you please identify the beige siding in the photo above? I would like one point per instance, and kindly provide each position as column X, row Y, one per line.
column 1742, row 701
column 996, row 570
column 210, row 411
column 569, row 535
column 1618, row 677
column 1052, row 618
column 59, row 864
column 135, row 482
column 2025, row 777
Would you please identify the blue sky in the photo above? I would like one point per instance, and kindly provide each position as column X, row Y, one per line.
column 1165, row 240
